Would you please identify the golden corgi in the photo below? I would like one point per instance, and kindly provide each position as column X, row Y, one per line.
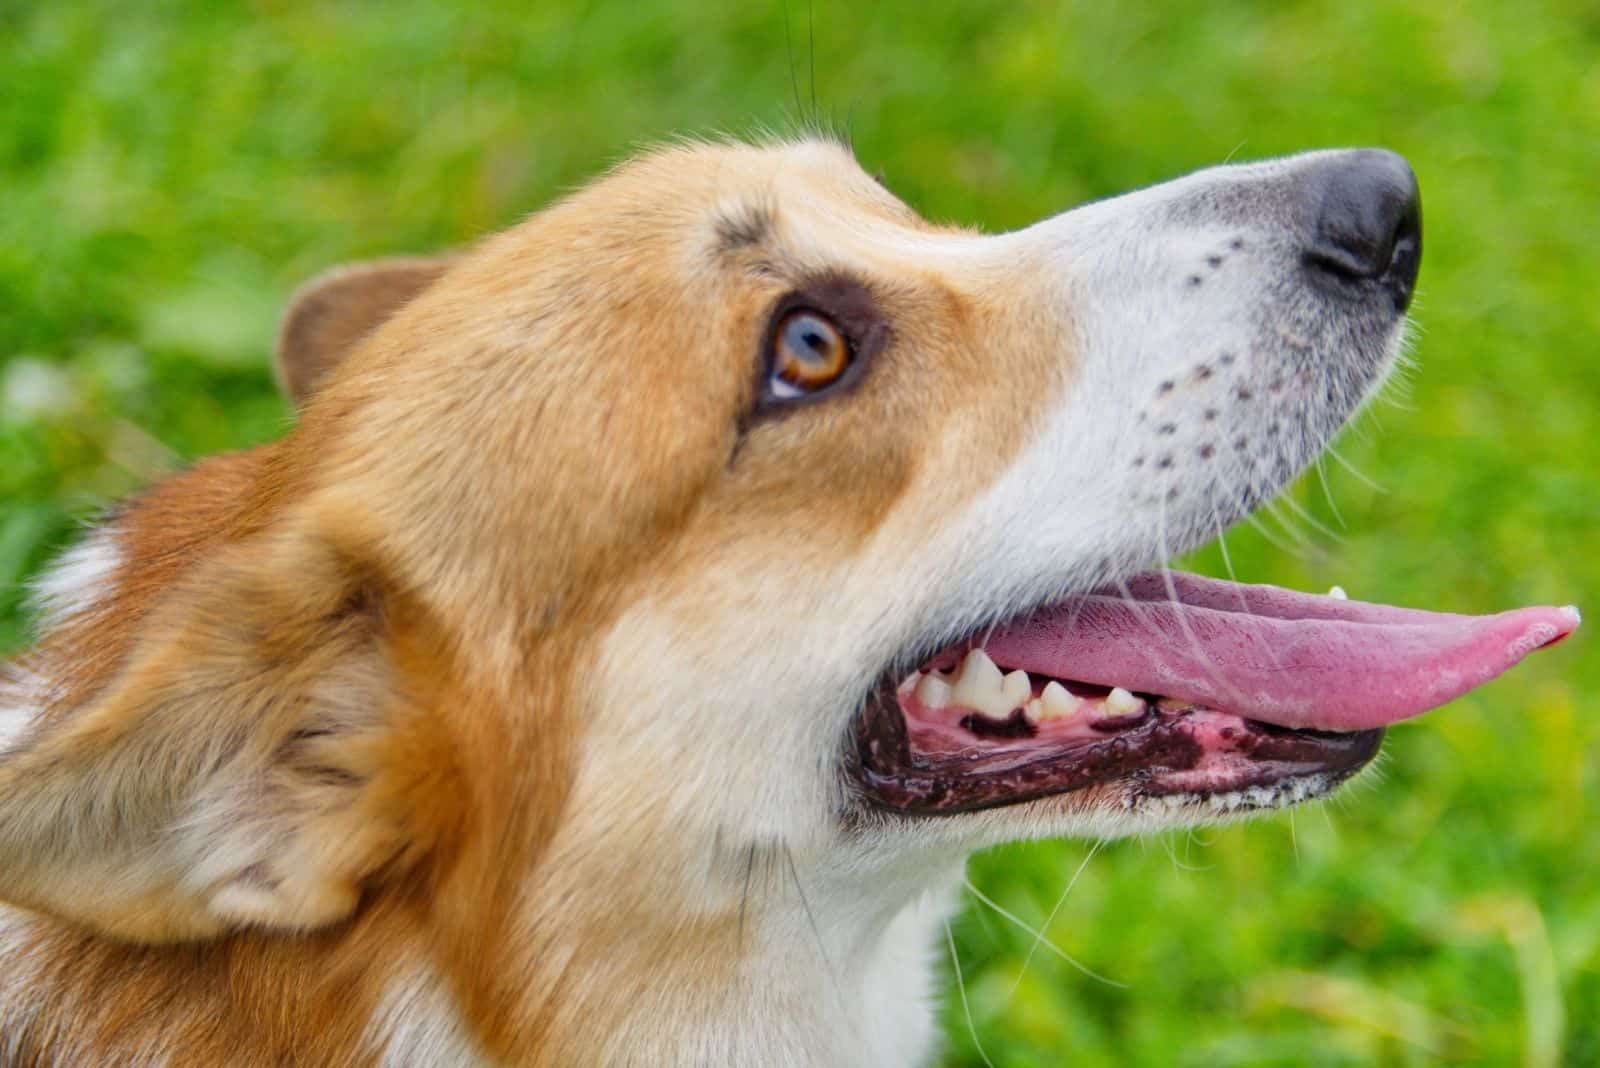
column 654, row 606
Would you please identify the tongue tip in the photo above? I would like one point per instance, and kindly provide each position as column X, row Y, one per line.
column 1544, row 627
column 1529, row 630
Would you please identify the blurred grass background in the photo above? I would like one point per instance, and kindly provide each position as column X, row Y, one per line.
column 168, row 172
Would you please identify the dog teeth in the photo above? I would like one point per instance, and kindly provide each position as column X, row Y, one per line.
column 1017, row 688
column 933, row 692
column 1120, row 702
column 1056, row 701
column 980, row 686
column 1338, row 594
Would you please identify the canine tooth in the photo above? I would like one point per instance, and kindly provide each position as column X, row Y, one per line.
column 979, row 685
column 1120, row 702
column 909, row 683
column 933, row 691
column 1017, row 688
column 1056, row 701
column 1338, row 594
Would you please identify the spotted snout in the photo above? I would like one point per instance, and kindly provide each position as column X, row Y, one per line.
column 1219, row 330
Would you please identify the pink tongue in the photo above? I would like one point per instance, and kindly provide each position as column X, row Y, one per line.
column 1270, row 654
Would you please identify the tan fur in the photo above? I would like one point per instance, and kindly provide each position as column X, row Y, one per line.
column 341, row 683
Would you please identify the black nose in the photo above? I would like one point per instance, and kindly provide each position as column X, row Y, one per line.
column 1367, row 226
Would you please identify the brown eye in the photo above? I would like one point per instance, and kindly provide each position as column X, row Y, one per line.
column 809, row 352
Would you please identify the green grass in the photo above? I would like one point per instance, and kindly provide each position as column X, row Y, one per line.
column 169, row 171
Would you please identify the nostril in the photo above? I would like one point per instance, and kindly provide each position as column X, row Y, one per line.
column 1368, row 219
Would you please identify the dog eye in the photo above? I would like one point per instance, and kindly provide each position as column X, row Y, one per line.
column 809, row 352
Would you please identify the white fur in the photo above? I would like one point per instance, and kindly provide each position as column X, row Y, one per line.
column 20, row 699
column 16, row 985
column 855, row 988
column 71, row 586
column 77, row 580
column 417, row 1024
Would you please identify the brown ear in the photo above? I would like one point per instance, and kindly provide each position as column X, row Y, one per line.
column 253, row 763
column 331, row 313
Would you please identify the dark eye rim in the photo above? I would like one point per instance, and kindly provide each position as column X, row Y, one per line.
column 850, row 307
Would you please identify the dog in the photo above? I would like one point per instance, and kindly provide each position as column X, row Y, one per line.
column 652, row 607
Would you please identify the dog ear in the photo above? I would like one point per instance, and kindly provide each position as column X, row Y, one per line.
column 253, row 762
column 331, row 313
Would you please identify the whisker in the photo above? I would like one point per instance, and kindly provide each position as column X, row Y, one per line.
column 1178, row 606
column 1327, row 492
column 811, row 43
column 1274, row 508
column 1316, row 524
column 1042, row 940
column 1137, row 608
column 1272, row 538
column 816, row 932
column 1172, row 854
column 1048, row 920
column 987, row 634
column 1244, row 605
column 961, row 985
column 744, row 898
column 794, row 78
column 1227, row 562
column 1348, row 466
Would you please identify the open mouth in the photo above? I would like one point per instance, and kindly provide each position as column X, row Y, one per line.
column 1178, row 688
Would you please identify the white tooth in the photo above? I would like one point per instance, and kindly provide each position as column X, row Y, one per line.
column 978, row 685
column 909, row 683
column 1034, row 710
column 933, row 692
column 1120, row 702
column 1338, row 594
column 1017, row 688
column 1056, row 700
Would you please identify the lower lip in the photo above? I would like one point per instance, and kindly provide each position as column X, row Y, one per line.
column 1194, row 751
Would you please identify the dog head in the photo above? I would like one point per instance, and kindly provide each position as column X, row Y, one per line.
column 652, row 539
